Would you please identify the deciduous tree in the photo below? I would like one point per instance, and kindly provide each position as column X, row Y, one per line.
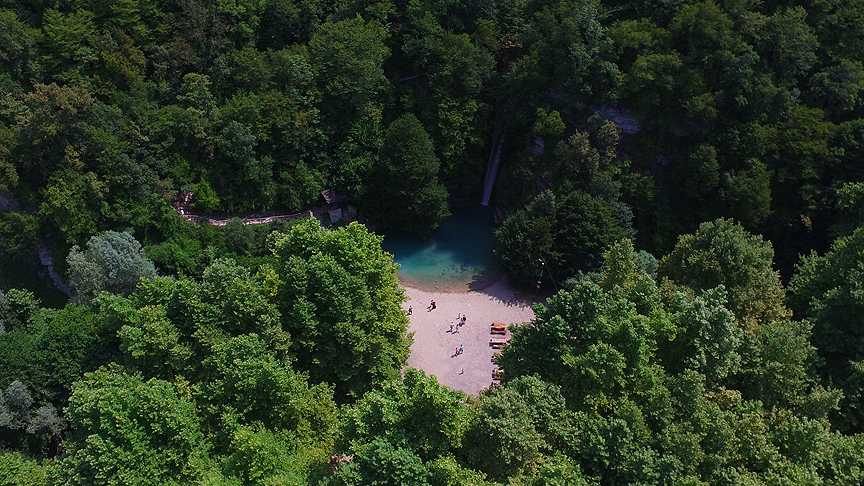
column 111, row 261
column 405, row 193
column 722, row 252
column 340, row 300
column 826, row 290
column 130, row 431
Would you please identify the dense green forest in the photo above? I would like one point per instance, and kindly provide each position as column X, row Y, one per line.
column 682, row 180
column 743, row 109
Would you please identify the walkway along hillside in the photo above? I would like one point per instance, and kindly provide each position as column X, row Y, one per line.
column 333, row 211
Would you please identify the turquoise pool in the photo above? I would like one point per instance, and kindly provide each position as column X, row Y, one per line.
column 457, row 256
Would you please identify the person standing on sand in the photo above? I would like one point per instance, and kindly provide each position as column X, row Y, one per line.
column 431, row 305
column 410, row 310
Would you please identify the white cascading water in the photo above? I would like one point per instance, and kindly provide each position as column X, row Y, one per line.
column 492, row 170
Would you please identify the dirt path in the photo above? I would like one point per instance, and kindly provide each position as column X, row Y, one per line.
column 252, row 219
column 434, row 347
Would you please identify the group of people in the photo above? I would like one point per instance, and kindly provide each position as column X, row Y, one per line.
column 429, row 308
column 460, row 321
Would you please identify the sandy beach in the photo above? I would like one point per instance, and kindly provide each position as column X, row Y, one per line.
column 433, row 349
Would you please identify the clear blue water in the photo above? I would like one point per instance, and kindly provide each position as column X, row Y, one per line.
column 458, row 254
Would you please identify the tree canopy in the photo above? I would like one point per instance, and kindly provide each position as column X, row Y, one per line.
column 404, row 191
column 722, row 252
column 111, row 261
column 724, row 137
column 824, row 290
column 341, row 302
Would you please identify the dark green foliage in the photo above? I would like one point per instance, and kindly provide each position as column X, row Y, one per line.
column 18, row 235
column 446, row 471
column 640, row 409
column 166, row 319
column 153, row 343
column 16, row 308
column 749, row 193
column 826, row 291
column 565, row 229
column 192, row 247
column 348, row 57
column 778, row 365
column 261, row 456
column 555, row 470
column 408, row 428
column 618, row 379
column 609, row 340
column 761, row 87
column 743, row 109
column 380, row 462
column 613, row 123
column 221, row 337
column 503, row 439
column 524, row 241
column 180, row 255
column 850, row 202
column 557, row 236
column 586, row 226
column 722, row 252
column 707, row 338
column 404, row 191
column 54, row 349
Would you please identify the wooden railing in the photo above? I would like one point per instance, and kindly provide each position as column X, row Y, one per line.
column 318, row 213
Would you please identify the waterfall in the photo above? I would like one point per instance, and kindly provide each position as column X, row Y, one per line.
column 47, row 262
column 492, row 167
column 9, row 203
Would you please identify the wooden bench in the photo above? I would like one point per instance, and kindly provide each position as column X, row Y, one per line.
column 497, row 344
column 498, row 328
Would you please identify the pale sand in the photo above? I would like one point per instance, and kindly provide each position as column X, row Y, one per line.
column 434, row 347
